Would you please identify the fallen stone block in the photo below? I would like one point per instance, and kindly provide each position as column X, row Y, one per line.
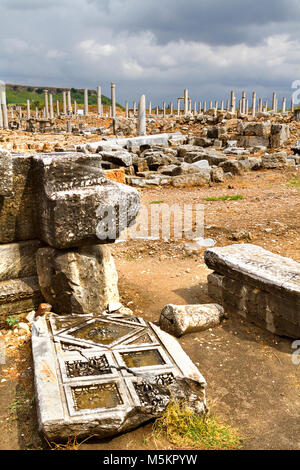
column 197, row 179
column 181, row 319
column 259, row 285
column 75, row 199
column 280, row 133
column 201, row 166
column 274, row 160
column 102, row 375
column 120, row 158
column 82, row 280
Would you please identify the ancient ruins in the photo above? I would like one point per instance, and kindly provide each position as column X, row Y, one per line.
column 68, row 175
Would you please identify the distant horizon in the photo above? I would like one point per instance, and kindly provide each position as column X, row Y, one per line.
column 153, row 48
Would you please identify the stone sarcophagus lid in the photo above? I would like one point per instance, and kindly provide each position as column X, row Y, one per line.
column 259, row 285
column 102, row 375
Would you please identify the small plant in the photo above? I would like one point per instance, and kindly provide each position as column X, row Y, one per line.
column 295, row 182
column 12, row 321
column 157, row 202
column 71, row 444
column 236, row 197
column 184, row 428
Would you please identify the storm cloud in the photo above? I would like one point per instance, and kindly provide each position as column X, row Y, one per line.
column 157, row 47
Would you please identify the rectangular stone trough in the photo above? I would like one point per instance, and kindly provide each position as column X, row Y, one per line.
column 107, row 374
column 259, row 285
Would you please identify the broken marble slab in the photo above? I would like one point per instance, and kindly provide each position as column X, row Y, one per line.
column 108, row 374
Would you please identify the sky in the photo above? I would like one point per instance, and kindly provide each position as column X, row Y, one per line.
column 153, row 47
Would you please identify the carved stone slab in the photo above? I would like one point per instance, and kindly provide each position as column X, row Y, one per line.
column 107, row 374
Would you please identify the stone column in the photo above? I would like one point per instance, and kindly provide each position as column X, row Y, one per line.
column 126, row 109
column 157, row 111
column 1, row 116
column 195, row 108
column 178, row 107
column 204, row 106
column 222, row 105
column 243, row 107
column 199, row 107
column 171, row 108
column 292, row 104
column 4, row 108
column 46, row 104
column 134, row 108
column 227, row 105
column 283, row 105
column 57, row 108
column 210, row 104
column 216, row 105
column 190, row 105
column 28, row 109
column 51, row 106
column 69, row 105
column 36, row 112
column 142, row 116
column 232, row 101
column 164, row 109
column 86, row 102
column 113, row 99
column 99, row 101
column 253, row 104
column 260, row 105
column 110, row 114
column 186, row 101
column 64, row 102
column 266, row 106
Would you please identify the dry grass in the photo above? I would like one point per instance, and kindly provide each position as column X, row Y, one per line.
column 187, row 430
column 71, row 444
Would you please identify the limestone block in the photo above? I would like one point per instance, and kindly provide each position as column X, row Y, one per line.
column 82, row 280
column 257, row 284
column 181, row 319
column 6, row 178
column 75, row 199
column 274, row 160
column 197, row 179
column 280, row 133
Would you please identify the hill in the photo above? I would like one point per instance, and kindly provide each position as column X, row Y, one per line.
column 19, row 94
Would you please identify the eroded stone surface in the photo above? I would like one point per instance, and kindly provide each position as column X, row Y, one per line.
column 259, row 285
column 181, row 319
column 108, row 374
column 82, row 280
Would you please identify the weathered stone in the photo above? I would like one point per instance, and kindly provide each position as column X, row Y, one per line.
column 192, row 168
column 181, row 319
column 108, row 374
column 253, row 141
column 19, row 289
column 259, row 129
column 19, row 296
column 75, row 197
column 217, row 175
column 259, row 285
column 6, row 178
column 81, row 280
column 120, row 158
column 274, row 160
column 197, row 179
column 280, row 133
column 232, row 166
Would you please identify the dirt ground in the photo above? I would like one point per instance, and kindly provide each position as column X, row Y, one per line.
column 253, row 384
